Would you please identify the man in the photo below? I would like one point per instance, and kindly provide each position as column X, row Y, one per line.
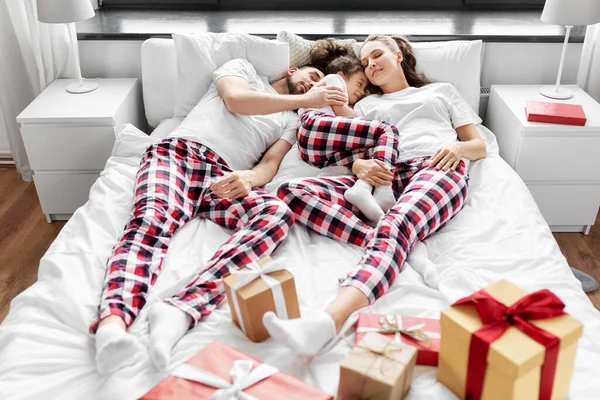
column 212, row 166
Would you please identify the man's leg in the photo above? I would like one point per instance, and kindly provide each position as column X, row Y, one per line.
column 429, row 200
column 168, row 186
column 261, row 222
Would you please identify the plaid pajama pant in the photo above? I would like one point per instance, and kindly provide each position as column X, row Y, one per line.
column 172, row 187
column 325, row 140
column 427, row 199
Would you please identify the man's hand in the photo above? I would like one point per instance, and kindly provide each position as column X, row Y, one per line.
column 321, row 96
column 374, row 172
column 447, row 158
column 236, row 185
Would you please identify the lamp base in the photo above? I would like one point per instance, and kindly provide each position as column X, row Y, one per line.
column 560, row 93
column 85, row 87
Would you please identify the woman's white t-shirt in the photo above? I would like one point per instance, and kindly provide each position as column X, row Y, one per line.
column 330, row 80
column 239, row 139
column 426, row 117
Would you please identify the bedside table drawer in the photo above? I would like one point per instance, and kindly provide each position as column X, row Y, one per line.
column 55, row 148
column 567, row 204
column 556, row 159
column 63, row 193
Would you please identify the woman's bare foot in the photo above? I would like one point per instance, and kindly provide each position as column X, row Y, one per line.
column 115, row 348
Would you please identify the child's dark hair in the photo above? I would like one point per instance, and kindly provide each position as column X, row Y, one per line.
column 331, row 57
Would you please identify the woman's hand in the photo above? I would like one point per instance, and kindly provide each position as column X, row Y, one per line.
column 447, row 158
column 320, row 96
column 235, row 185
column 374, row 172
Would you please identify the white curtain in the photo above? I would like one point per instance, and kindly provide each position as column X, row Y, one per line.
column 588, row 77
column 33, row 54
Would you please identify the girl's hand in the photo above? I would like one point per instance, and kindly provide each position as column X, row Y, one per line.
column 447, row 158
column 374, row 172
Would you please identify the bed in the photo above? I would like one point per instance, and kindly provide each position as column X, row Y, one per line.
column 46, row 351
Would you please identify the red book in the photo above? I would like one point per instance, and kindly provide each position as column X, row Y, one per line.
column 555, row 113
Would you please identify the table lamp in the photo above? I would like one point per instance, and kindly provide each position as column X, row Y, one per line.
column 68, row 12
column 567, row 13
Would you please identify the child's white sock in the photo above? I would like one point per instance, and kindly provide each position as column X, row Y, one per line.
column 361, row 196
column 305, row 335
column 384, row 196
column 418, row 258
column 116, row 349
column 168, row 324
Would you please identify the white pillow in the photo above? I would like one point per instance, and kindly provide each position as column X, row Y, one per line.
column 456, row 62
column 300, row 47
column 199, row 55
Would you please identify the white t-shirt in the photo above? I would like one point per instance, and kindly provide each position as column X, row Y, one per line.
column 239, row 139
column 426, row 117
column 330, row 80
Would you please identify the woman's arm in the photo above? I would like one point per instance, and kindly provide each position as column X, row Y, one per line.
column 469, row 145
column 239, row 184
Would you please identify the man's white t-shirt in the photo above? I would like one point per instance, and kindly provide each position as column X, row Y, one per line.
column 330, row 80
column 426, row 117
column 239, row 139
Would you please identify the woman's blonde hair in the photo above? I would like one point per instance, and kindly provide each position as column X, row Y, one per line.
column 409, row 62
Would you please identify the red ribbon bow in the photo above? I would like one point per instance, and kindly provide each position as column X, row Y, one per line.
column 496, row 319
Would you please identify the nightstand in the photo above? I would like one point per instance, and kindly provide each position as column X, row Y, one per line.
column 68, row 138
column 560, row 164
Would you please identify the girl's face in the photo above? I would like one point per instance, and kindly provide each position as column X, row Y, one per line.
column 381, row 64
column 356, row 85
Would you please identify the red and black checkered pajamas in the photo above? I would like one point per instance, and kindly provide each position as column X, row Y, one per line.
column 427, row 199
column 172, row 187
column 325, row 140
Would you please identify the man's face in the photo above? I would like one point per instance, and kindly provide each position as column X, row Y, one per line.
column 299, row 81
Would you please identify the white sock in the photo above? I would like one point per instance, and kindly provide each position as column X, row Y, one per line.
column 116, row 349
column 168, row 324
column 361, row 196
column 305, row 335
column 418, row 258
column 384, row 196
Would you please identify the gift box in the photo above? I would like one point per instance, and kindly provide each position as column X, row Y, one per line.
column 263, row 286
column 503, row 343
column 377, row 368
column 421, row 333
column 219, row 372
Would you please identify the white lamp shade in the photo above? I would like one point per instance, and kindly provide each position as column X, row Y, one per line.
column 571, row 12
column 64, row 11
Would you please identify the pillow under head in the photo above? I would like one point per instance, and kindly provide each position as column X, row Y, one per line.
column 300, row 47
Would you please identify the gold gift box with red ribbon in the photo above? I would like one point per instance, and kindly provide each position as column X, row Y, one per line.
column 502, row 343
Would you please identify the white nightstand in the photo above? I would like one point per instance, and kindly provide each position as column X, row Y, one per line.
column 68, row 138
column 559, row 163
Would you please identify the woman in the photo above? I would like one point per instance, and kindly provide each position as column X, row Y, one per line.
column 437, row 139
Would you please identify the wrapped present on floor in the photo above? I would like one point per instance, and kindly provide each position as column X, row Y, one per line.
column 421, row 333
column 219, row 372
column 377, row 368
column 503, row 343
column 265, row 285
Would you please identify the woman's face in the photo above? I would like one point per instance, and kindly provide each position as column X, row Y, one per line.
column 381, row 64
column 356, row 85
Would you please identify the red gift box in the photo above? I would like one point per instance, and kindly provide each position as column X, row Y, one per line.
column 220, row 361
column 428, row 330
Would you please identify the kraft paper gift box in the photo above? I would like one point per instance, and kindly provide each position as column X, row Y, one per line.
column 503, row 343
column 219, row 372
column 263, row 286
column 421, row 333
column 377, row 368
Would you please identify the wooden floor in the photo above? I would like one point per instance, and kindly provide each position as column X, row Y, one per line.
column 25, row 236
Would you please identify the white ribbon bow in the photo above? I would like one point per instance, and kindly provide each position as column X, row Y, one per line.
column 255, row 271
column 393, row 324
column 241, row 373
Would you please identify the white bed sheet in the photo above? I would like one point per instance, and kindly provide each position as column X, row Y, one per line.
column 46, row 351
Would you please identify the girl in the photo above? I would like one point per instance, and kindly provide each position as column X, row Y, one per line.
column 332, row 135
column 438, row 138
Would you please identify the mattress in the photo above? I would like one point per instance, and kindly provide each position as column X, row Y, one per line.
column 46, row 351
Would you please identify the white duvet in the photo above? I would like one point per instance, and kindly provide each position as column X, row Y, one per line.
column 46, row 351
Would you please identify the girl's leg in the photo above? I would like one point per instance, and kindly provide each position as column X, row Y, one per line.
column 169, row 183
column 429, row 200
column 325, row 140
column 261, row 221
